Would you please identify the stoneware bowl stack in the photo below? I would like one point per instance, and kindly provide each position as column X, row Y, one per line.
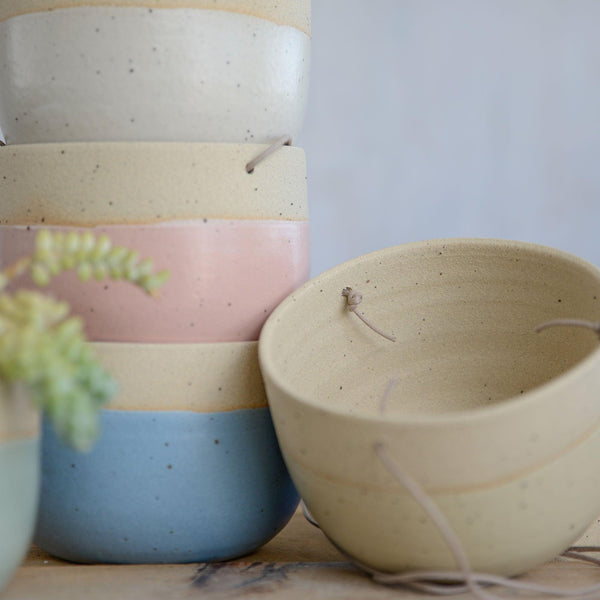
column 138, row 121
column 498, row 424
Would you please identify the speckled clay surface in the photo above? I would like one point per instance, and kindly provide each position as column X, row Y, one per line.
column 591, row 536
column 135, row 73
column 165, row 487
column 119, row 183
column 295, row 13
column 186, row 377
column 19, row 479
column 225, row 279
column 497, row 423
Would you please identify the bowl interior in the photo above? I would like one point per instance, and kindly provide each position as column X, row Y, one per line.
column 464, row 313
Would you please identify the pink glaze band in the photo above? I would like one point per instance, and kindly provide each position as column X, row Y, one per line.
column 226, row 276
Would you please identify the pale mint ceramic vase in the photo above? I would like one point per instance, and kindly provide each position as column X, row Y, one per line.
column 19, row 478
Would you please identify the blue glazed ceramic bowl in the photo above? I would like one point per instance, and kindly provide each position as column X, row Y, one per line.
column 165, row 487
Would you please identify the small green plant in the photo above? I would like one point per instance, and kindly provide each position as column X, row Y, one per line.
column 45, row 348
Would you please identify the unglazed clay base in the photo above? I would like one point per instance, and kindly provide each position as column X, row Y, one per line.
column 118, row 183
column 225, row 279
column 199, row 378
column 497, row 423
column 97, row 73
column 165, row 487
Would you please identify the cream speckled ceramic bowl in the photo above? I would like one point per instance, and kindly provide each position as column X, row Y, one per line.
column 19, row 477
column 499, row 424
column 120, row 73
column 123, row 183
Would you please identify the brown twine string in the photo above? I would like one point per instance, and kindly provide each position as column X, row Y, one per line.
column 354, row 298
column 284, row 140
column 464, row 580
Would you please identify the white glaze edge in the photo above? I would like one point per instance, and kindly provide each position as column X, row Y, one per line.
column 293, row 13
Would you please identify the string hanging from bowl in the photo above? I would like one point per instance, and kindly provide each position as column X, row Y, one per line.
column 353, row 299
column 594, row 326
column 284, row 140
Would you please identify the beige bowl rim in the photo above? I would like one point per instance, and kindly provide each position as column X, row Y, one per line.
column 475, row 416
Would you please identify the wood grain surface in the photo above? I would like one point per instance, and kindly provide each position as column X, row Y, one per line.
column 298, row 564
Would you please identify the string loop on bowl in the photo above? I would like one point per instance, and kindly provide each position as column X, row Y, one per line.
column 284, row 140
column 353, row 299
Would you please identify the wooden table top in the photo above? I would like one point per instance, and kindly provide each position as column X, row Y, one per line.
column 299, row 564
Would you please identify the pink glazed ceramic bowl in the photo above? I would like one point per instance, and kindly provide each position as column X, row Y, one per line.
column 226, row 276
column 235, row 243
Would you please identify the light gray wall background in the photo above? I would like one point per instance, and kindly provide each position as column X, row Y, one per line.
column 442, row 118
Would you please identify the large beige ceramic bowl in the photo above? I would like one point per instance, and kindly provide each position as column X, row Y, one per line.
column 192, row 70
column 499, row 424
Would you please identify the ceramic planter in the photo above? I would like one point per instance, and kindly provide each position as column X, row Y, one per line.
column 19, row 474
column 142, row 183
column 190, row 475
column 125, row 71
column 226, row 276
column 497, row 423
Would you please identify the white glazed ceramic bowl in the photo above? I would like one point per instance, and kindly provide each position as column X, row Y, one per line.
column 20, row 477
column 123, row 73
column 89, row 184
column 226, row 277
column 498, row 424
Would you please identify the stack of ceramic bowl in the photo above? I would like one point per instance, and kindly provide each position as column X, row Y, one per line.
column 139, row 122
